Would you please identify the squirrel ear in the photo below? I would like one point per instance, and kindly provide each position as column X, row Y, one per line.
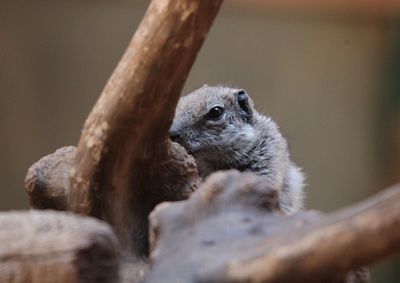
column 244, row 103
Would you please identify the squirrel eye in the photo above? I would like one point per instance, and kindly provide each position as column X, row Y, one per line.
column 215, row 113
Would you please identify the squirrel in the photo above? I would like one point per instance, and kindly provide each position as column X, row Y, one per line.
column 221, row 129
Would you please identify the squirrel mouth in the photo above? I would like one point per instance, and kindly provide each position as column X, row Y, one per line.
column 192, row 151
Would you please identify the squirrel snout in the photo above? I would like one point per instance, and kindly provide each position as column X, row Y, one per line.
column 174, row 134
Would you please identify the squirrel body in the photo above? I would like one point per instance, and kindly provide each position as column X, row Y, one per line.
column 220, row 127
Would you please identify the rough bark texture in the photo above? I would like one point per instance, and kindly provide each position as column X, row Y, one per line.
column 48, row 246
column 124, row 154
column 231, row 231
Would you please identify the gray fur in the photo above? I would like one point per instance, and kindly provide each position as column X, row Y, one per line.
column 240, row 139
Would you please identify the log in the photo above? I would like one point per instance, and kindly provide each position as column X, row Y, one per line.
column 124, row 156
column 49, row 246
column 231, row 230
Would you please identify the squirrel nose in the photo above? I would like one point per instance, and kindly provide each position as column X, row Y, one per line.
column 174, row 134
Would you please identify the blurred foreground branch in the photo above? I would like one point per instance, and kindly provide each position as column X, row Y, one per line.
column 231, row 231
column 47, row 247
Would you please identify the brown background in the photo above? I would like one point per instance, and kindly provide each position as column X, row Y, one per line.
column 328, row 76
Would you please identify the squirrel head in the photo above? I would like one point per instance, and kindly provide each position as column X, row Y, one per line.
column 215, row 124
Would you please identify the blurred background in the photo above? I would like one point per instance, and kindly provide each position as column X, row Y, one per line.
column 327, row 71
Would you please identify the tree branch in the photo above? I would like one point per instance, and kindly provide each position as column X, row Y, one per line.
column 231, row 226
column 359, row 235
column 124, row 154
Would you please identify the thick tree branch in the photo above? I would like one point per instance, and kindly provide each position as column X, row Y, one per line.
column 124, row 153
column 359, row 235
column 231, row 231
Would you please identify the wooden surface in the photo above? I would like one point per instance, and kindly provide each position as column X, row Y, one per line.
column 231, row 230
column 47, row 181
column 49, row 246
column 124, row 156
